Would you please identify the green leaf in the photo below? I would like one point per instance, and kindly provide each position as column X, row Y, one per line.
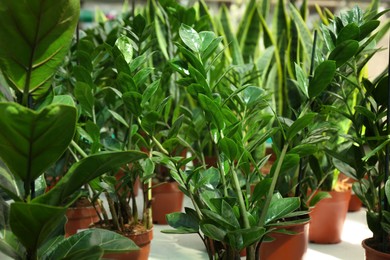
column 119, row 118
column 367, row 28
column 323, row 76
column 183, row 222
column 149, row 92
column 86, row 170
column 387, row 191
column 124, row 44
column 280, row 207
column 231, row 40
column 149, row 121
column 84, row 95
column 213, row 232
column 190, row 37
column 213, row 109
column 31, row 141
column 8, row 250
column 132, row 102
column 319, row 196
column 302, row 80
column 34, row 223
column 344, row 51
column 34, row 38
column 105, row 240
column 229, row 148
column 162, row 42
column 63, row 100
column 299, row 124
column 349, row 32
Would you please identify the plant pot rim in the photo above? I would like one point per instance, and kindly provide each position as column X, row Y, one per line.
column 367, row 247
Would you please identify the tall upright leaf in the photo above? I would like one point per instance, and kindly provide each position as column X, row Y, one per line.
column 34, row 38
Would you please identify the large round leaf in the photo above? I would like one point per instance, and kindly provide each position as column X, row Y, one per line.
column 31, row 141
column 33, row 224
column 34, row 38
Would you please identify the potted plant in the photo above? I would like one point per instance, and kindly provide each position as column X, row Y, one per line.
column 219, row 192
column 362, row 154
column 32, row 224
column 350, row 51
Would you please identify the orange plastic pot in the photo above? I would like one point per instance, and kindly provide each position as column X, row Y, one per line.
column 373, row 254
column 286, row 246
column 79, row 218
column 355, row 204
column 328, row 217
column 167, row 198
column 142, row 241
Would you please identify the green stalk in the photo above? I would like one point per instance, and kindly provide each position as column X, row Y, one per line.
column 78, row 148
column 273, row 184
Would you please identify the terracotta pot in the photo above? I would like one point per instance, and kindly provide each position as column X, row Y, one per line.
column 167, row 198
column 287, row 246
column 79, row 218
column 355, row 204
column 327, row 218
column 142, row 241
column 371, row 253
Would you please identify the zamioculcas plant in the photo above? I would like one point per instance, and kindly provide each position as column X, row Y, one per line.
column 225, row 215
column 363, row 104
column 36, row 130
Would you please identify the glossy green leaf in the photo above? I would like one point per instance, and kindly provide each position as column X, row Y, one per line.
column 126, row 82
column 280, row 207
column 302, row 80
column 213, row 232
column 367, row 28
column 344, row 51
column 124, row 44
column 34, row 38
column 242, row 238
column 104, row 240
column 229, row 148
column 149, row 121
column 86, row 170
column 81, row 74
column 299, row 124
column 213, row 109
column 190, row 37
column 192, row 59
column 132, row 101
column 220, row 219
column 149, row 92
column 349, row 32
column 322, row 78
column 183, row 222
column 31, row 141
column 304, row 149
column 318, row 197
column 34, row 223
column 142, row 76
column 84, row 96
column 118, row 117
column 63, row 100
column 207, row 49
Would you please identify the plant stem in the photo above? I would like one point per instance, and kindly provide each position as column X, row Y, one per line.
column 273, row 184
column 78, row 148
